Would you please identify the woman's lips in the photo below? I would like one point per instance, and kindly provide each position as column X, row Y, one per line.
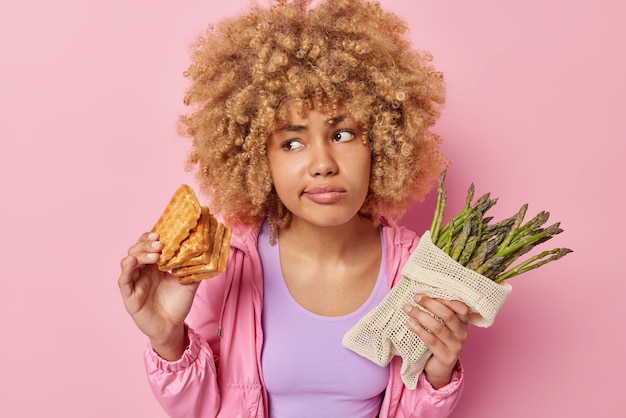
column 324, row 194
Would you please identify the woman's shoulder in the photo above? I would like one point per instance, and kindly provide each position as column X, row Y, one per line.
column 243, row 236
column 399, row 235
column 242, row 233
column 399, row 242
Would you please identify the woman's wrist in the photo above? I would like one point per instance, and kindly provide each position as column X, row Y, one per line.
column 438, row 382
column 440, row 376
column 172, row 349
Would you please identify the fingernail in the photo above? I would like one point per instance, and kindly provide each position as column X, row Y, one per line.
column 417, row 298
column 152, row 235
column 155, row 244
column 407, row 308
column 152, row 256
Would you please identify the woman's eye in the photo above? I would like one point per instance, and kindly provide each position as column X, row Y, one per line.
column 343, row 136
column 291, row 144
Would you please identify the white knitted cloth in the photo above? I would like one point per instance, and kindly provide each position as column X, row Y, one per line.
column 383, row 333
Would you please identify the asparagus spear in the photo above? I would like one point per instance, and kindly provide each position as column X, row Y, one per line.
column 528, row 265
column 489, row 249
column 439, row 208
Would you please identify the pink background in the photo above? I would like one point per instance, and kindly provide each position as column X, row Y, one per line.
column 89, row 94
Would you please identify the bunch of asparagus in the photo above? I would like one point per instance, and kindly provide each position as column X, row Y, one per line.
column 490, row 249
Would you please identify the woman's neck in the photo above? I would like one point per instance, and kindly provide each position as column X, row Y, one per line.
column 328, row 243
column 330, row 271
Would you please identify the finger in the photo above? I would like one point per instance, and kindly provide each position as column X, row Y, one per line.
column 146, row 239
column 148, row 236
column 440, row 321
column 418, row 325
column 439, row 340
column 440, row 309
column 129, row 266
column 426, row 319
column 147, row 249
column 454, row 314
column 461, row 309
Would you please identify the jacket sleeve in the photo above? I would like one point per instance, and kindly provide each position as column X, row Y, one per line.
column 425, row 401
column 188, row 388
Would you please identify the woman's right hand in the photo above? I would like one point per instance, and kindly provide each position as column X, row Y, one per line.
column 154, row 299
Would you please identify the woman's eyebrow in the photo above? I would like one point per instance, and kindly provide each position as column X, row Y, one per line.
column 336, row 119
column 292, row 128
column 331, row 121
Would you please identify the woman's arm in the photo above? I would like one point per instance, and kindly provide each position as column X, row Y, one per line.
column 188, row 386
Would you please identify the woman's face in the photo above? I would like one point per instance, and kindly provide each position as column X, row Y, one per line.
column 320, row 167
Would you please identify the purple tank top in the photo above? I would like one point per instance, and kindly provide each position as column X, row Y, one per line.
column 306, row 369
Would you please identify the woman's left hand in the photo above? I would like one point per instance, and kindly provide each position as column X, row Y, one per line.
column 444, row 339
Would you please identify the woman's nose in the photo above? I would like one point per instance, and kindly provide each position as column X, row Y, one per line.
column 322, row 161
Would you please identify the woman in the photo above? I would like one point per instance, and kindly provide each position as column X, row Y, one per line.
column 310, row 130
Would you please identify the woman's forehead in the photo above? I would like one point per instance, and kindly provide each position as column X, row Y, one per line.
column 294, row 112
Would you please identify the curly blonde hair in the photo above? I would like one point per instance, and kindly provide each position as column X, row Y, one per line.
column 249, row 70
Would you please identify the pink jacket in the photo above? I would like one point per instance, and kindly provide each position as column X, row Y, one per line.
column 219, row 375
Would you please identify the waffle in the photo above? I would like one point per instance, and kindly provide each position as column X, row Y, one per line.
column 195, row 244
column 179, row 217
column 205, row 256
column 214, row 261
